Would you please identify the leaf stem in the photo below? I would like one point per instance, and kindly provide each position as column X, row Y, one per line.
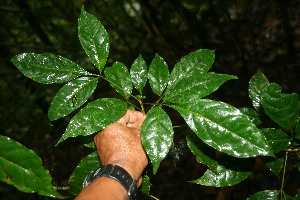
column 283, row 175
column 153, row 197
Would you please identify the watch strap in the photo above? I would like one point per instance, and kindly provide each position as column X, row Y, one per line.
column 116, row 172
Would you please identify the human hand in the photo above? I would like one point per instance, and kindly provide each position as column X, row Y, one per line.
column 120, row 144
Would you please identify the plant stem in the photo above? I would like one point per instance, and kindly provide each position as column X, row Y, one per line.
column 153, row 197
column 283, row 175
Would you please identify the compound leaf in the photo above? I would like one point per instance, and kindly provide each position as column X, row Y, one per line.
column 158, row 75
column 256, row 86
column 86, row 165
column 22, row 168
column 48, row 68
column 265, row 195
column 139, row 74
column 119, row 78
column 71, row 96
column 195, row 86
column 281, row 108
column 224, row 128
column 93, row 38
column 157, row 135
column 95, row 117
column 201, row 60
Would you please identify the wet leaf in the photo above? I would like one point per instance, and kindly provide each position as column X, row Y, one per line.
column 200, row 60
column 224, row 176
column 224, row 128
column 93, row 38
column 195, row 86
column 158, row 75
column 23, row 169
column 252, row 115
column 94, row 117
column 256, row 86
column 139, row 73
column 281, row 108
column 265, row 195
column 48, row 68
column 119, row 78
column 86, row 165
column 204, row 154
column 71, row 96
column 277, row 139
column 157, row 135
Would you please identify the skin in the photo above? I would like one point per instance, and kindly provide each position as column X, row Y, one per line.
column 118, row 144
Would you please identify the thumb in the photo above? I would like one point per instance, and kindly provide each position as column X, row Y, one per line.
column 138, row 123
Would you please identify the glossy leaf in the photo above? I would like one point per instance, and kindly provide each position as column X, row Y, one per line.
column 200, row 60
column 119, row 78
column 256, row 86
column 195, row 86
column 139, row 74
column 274, row 164
column 277, row 139
column 146, row 185
column 265, row 195
column 71, row 96
column 157, row 135
column 297, row 129
column 223, row 176
column 281, row 108
column 93, row 38
column 48, row 68
column 23, row 169
column 252, row 115
column 204, row 154
column 158, row 75
column 95, row 117
column 224, row 128
column 86, row 165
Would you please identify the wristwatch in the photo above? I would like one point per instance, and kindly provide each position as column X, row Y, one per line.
column 116, row 172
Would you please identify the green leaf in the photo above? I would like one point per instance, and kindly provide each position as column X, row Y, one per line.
column 224, row 128
column 297, row 129
column 200, row 60
column 139, row 73
column 157, row 135
column 86, row 165
column 274, row 164
column 158, row 75
column 23, row 169
column 265, row 195
column 281, row 108
column 71, row 96
column 146, row 185
column 195, row 86
column 277, row 139
column 48, row 68
column 225, row 176
column 93, row 38
column 94, row 117
column 204, row 154
column 223, row 170
column 256, row 86
column 119, row 78
column 252, row 115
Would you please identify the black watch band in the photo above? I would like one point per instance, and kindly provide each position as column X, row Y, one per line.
column 116, row 172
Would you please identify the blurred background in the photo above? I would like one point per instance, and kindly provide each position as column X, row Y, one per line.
column 247, row 35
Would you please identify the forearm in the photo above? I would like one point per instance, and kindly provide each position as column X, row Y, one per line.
column 103, row 188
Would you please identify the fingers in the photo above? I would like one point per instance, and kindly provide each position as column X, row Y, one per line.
column 138, row 123
column 130, row 118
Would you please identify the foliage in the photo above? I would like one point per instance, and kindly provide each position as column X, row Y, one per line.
column 216, row 125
